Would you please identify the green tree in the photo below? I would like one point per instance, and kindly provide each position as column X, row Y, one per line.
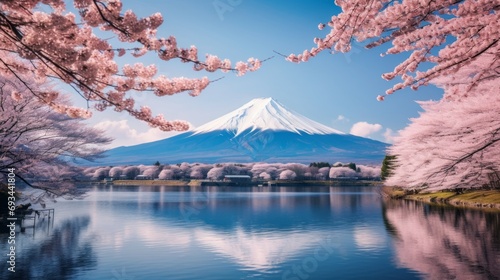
column 352, row 166
column 387, row 166
column 319, row 164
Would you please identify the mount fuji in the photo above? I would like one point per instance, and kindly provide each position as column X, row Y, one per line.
column 262, row 130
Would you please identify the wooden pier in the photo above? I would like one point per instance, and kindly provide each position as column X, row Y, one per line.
column 24, row 217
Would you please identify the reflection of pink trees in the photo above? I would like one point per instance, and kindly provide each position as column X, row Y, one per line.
column 445, row 244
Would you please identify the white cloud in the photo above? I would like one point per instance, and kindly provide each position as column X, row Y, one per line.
column 389, row 135
column 124, row 135
column 364, row 129
column 341, row 118
column 369, row 239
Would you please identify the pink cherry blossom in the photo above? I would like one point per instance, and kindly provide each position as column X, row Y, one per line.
column 43, row 41
column 452, row 44
column 35, row 135
column 449, row 34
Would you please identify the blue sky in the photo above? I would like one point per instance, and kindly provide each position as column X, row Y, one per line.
column 337, row 90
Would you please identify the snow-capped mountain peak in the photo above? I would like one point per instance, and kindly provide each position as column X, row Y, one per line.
column 265, row 114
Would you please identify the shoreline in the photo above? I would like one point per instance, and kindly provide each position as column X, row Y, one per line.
column 172, row 183
column 477, row 199
column 196, row 183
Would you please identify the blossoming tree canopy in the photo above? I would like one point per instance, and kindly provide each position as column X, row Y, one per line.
column 38, row 142
column 452, row 144
column 42, row 40
column 450, row 34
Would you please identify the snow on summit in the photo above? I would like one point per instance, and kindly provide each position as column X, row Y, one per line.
column 265, row 114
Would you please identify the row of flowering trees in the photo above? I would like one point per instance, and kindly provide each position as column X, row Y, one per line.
column 263, row 171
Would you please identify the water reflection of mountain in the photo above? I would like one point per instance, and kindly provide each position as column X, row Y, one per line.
column 445, row 243
column 61, row 256
column 258, row 229
column 228, row 208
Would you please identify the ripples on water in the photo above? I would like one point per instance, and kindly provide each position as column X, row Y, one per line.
column 257, row 233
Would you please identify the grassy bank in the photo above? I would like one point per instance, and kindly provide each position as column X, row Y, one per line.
column 489, row 199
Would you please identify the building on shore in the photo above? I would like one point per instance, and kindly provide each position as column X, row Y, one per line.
column 238, row 179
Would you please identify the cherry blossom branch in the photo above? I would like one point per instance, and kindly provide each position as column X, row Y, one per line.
column 418, row 27
column 51, row 45
column 472, row 153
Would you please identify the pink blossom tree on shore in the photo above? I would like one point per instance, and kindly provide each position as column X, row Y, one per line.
column 451, row 145
column 116, row 172
column 101, row 173
column 166, row 174
column 323, row 173
column 152, row 172
column 342, row 172
column 455, row 143
column 38, row 142
column 42, row 40
column 451, row 44
column 216, row 173
column 199, row 171
column 287, row 175
column 131, row 172
column 264, row 176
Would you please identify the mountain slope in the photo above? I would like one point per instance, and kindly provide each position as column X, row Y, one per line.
column 261, row 130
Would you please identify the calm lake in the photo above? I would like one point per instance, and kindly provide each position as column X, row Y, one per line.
column 294, row 233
